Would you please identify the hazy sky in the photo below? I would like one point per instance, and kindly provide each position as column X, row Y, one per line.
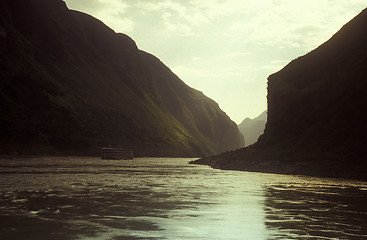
column 225, row 48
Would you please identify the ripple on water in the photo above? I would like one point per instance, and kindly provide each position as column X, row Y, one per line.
column 86, row 198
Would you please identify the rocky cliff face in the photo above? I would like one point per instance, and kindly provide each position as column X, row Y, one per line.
column 316, row 121
column 69, row 84
column 317, row 100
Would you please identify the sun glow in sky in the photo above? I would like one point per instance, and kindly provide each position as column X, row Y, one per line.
column 225, row 48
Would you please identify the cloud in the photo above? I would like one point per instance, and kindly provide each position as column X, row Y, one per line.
column 301, row 23
column 112, row 12
column 225, row 47
column 237, row 54
column 81, row 5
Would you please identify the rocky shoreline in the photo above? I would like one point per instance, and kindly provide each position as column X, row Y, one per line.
column 327, row 165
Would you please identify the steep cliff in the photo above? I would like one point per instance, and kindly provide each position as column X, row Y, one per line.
column 69, row 84
column 316, row 120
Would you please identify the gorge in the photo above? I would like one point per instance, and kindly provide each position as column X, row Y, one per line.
column 316, row 122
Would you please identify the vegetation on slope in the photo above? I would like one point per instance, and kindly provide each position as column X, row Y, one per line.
column 69, row 85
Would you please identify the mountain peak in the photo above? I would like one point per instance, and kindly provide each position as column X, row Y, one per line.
column 251, row 129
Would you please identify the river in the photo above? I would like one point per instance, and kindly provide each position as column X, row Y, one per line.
column 166, row 198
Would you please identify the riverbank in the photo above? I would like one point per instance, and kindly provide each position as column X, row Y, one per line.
column 317, row 164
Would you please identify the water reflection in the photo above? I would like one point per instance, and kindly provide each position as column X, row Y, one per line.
column 86, row 198
column 316, row 211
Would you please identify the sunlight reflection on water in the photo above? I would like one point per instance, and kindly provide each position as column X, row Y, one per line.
column 162, row 198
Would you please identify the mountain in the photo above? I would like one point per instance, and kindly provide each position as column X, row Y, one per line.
column 70, row 84
column 316, row 113
column 251, row 129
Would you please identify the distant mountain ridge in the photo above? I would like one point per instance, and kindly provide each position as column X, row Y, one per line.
column 69, row 84
column 316, row 120
column 251, row 129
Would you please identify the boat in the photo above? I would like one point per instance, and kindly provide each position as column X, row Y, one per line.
column 116, row 153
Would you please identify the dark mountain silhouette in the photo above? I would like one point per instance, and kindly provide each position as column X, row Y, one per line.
column 69, row 84
column 316, row 113
column 251, row 129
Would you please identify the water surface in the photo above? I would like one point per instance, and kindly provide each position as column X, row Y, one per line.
column 162, row 198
